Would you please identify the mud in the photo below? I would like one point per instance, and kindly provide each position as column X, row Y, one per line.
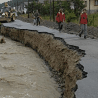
column 23, row 74
column 62, row 58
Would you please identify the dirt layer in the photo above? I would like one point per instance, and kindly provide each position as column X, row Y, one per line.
column 62, row 59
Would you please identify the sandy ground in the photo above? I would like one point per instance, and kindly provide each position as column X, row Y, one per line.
column 23, row 74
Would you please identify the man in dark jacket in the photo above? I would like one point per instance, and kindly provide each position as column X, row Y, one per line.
column 37, row 16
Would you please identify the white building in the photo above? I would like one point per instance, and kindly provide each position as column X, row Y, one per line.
column 22, row 7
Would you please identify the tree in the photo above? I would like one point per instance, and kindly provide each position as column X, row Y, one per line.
column 78, row 6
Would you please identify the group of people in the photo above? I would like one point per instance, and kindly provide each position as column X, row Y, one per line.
column 60, row 18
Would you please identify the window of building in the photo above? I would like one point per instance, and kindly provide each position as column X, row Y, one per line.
column 85, row 3
column 96, row 2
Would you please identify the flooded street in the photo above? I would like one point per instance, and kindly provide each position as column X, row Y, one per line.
column 23, row 74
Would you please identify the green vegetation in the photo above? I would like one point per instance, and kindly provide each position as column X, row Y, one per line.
column 44, row 9
column 92, row 20
column 24, row 15
column 70, row 14
column 45, row 17
column 78, row 6
column 0, row 23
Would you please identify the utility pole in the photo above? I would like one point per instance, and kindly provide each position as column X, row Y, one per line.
column 89, row 6
column 12, row 3
column 23, row 5
column 28, row 8
column 53, row 11
column 50, row 10
column 9, row 3
column 17, row 6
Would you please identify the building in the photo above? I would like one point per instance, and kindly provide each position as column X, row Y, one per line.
column 91, row 5
column 22, row 7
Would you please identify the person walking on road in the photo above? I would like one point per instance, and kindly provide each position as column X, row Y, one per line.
column 60, row 18
column 83, row 23
column 34, row 19
column 37, row 16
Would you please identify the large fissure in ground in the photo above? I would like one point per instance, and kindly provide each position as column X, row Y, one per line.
column 62, row 59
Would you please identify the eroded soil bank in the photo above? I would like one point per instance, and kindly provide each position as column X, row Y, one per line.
column 63, row 59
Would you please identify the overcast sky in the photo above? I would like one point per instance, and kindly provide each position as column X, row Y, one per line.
column 2, row 1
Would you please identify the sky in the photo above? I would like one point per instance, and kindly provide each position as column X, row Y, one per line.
column 2, row 1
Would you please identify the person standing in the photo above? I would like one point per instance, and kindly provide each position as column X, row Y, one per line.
column 83, row 23
column 34, row 19
column 37, row 16
column 60, row 18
